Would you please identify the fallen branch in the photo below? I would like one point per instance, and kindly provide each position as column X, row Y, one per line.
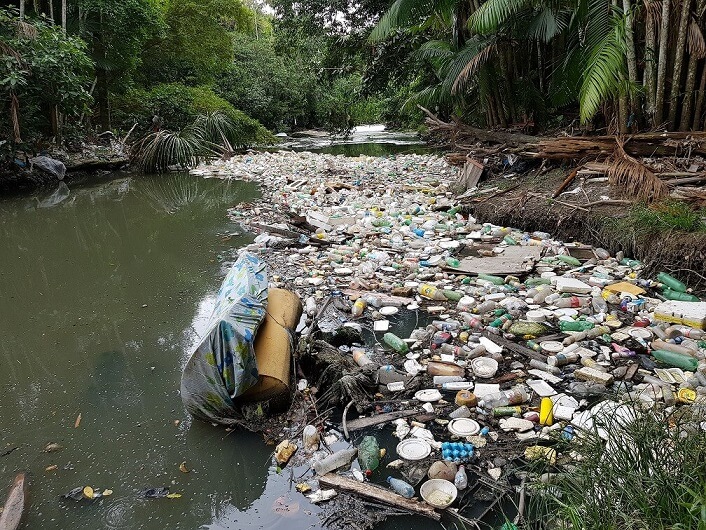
column 369, row 491
column 568, row 180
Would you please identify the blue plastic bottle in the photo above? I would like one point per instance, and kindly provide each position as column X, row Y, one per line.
column 401, row 487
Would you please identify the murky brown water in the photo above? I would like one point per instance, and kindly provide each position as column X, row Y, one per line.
column 76, row 269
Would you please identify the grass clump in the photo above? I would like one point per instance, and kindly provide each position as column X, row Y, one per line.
column 632, row 470
column 666, row 216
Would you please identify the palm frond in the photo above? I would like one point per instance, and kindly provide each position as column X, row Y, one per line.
column 472, row 66
column 433, row 49
column 405, row 13
column 546, row 24
column 159, row 150
column 605, row 73
column 633, row 177
column 460, row 61
column 493, row 13
column 695, row 40
column 6, row 49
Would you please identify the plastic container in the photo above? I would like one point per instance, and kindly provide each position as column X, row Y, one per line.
column 515, row 396
column 438, row 493
column 671, row 294
column 311, row 438
column 461, row 479
column 466, row 398
column 442, row 368
column 332, row 462
column 671, row 282
column 401, row 487
column 358, row 307
column 430, row 292
column 396, row 343
column 368, row 455
column 575, row 325
column 360, row 358
column 676, row 360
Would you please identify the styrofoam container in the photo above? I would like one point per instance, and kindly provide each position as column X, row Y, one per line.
column 692, row 314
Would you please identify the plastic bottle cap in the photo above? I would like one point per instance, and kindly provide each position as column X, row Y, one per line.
column 551, row 346
column 536, row 316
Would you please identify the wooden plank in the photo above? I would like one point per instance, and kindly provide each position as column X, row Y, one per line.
column 376, row 493
column 362, row 423
column 386, row 299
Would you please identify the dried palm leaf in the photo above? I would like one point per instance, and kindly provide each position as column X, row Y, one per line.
column 472, row 67
column 633, row 177
column 15, row 116
column 26, row 30
column 695, row 40
column 6, row 49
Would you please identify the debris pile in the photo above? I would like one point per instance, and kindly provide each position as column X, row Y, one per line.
column 474, row 347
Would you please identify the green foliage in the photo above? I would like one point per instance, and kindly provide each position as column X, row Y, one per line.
column 178, row 106
column 210, row 134
column 197, row 46
column 666, row 216
column 649, row 473
column 42, row 68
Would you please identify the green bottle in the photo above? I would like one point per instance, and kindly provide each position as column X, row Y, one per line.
column 452, row 295
column 676, row 360
column 630, row 262
column 369, row 455
column 453, row 262
column 509, row 240
column 671, row 282
column 396, row 343
column 497, row 280
column 670, row 294
column 569, row 260
column 531, row 282
column 575, row 325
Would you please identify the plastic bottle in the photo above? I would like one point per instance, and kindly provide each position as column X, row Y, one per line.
column 472, row 321
column 372, row 300
column 448, row 325
column 569, row 260
column 368, row 455
column 453, row 262
column 453, row 296
column 562, row 359
column 485, row 307
column 401, row 487
column 500, row 321
column 396, row 343
column 496, row 280
column 360, row 358
column 461, row 479
column 670, row 294
column 676, row 360
column 338, row 459
column 671, row 282
column 311, row 438
column 430, row 292
column 575, row 325
column 599, row 304
column 571, row 302
column 450, row 349
column 514, row 396
column 359, row 307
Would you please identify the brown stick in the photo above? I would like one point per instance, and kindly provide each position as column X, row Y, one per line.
column 369, row 491
column 568, row 180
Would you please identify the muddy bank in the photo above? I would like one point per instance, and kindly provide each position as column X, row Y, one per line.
column 524, row 202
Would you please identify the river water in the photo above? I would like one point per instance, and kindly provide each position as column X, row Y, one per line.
column 105, row 287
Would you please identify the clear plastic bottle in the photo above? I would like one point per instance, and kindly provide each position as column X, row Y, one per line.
column 472, row 321
column 571, row 302
column 338, row 459
column 359, row 307
column 360, row 358
column 461, row 479
column 599, row 304
column 515, row 396
column 401, row 487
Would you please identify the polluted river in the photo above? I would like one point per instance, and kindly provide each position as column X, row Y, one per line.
column 457, row 360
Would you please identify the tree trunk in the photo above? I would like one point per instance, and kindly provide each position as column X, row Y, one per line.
column 630, row 52
column 649, row 79
column 689, row 95
column 623, row 113
column 22, row 9
column 662, row 64
column 700, row 101
column 678, row 62
column 63, row 16
column 51, row 11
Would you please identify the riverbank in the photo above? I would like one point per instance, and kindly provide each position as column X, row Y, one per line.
column 503, row 307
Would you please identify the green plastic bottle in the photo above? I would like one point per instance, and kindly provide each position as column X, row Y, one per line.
column 575, row 325
column 497, row 280
column 671, row 282
column 630, row 262
column 569, row 260
column 453, row 262
column 531, row 282
column 396, row 343
column 369, row 455
column 670, row 294
column 509, row 240
column 676, row 360
column 452, row 295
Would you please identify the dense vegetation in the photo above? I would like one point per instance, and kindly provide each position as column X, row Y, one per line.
column 77, row 67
